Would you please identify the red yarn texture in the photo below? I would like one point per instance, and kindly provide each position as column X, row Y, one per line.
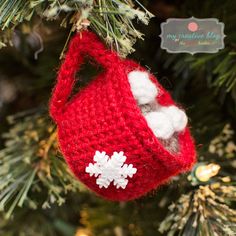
column 104, row 116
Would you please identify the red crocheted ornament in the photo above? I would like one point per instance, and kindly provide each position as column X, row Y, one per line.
column 105, row 117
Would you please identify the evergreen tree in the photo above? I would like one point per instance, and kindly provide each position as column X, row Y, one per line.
column 38, row 193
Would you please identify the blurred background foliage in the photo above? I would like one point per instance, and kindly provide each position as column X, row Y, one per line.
column 38, row 194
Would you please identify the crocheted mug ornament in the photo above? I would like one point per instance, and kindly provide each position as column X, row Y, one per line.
column 122, row 135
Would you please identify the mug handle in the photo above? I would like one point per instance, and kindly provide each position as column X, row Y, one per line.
column 82, row 44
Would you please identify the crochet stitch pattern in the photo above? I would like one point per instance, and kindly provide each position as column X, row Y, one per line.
column 105, row 116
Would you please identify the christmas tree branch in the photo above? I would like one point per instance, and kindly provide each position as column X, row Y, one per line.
column 31, row 163
column 202, row 212
column 220, row 69
column 111, row 19
column 206, row 209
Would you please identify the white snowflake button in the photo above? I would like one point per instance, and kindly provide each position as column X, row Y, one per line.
column 110, row 169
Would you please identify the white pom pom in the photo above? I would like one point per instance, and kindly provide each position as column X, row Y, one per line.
column 160, row 124
column 143, row 89
column 178, row 117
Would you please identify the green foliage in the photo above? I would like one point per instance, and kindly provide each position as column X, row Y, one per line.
column 205, row 210
column 111, row 19
column 35, row 183
column 32, row 172
column 202, row 212
column 219, row 68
